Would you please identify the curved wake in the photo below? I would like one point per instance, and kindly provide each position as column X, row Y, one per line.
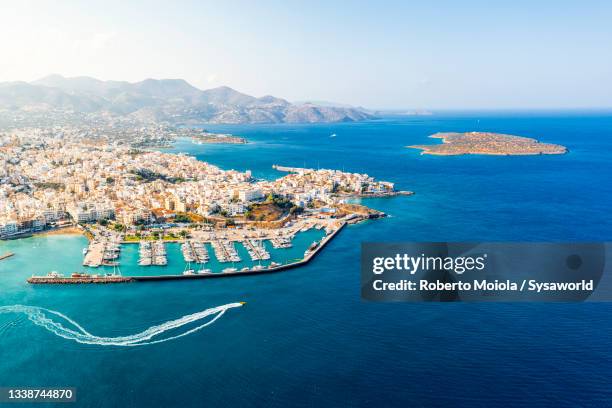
column 39, row 316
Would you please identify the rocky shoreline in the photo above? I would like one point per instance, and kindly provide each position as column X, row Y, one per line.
column 486, row 143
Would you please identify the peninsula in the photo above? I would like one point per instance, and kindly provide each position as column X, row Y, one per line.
column 497, row 144
column 206, row 137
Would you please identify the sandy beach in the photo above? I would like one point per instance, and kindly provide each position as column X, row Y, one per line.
column 61, row 231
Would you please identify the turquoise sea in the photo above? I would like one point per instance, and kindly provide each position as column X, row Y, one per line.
column 305, row 338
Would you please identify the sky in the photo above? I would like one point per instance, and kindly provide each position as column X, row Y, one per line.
column 379, row 54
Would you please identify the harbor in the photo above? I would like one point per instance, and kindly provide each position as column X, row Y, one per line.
column 310, row 252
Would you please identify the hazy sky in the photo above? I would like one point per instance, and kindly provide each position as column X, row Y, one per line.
column 422, row 54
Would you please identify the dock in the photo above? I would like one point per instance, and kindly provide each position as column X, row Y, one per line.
column 100, row 253
column 194, row 251
column 152, row 253
column 6, row 255
column 256, row 249
column 225, row 251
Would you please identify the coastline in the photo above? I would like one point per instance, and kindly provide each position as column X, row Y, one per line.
column 72, row 230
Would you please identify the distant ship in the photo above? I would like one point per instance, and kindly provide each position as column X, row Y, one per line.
column 333, row 135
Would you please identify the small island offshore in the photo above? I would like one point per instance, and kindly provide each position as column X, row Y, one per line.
column 487, row 143
column 206, row 137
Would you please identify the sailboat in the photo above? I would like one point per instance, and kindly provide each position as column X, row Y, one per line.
column 188, row 270
column 116, row 270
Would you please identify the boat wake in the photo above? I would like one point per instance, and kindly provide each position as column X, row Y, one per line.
column 45, row 318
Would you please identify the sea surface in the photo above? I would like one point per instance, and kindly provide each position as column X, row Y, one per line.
column 304, row 337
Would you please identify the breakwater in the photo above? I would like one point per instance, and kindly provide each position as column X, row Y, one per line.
column 6, row 255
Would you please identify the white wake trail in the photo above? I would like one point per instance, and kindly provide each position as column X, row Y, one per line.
column 79, row 334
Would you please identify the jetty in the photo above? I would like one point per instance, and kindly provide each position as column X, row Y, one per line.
column 100, row 253
column 225, row 251
column 194, row 251
column 152, row 253
column 6, row 255
column 288, row 169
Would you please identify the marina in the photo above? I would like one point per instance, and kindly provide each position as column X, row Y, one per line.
column 188, row 273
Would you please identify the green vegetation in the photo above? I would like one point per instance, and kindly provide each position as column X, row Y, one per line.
column 281, row 202
column 119, row 227
column 147, row 176
column 182, row 217
column 53, row 186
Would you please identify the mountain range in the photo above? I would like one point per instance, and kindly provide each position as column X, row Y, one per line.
column 170, row 100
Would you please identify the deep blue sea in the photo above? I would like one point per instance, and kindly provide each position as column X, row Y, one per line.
column 305, row 338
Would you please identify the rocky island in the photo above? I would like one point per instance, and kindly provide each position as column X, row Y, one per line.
column 206, row 137
column 487, row 143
